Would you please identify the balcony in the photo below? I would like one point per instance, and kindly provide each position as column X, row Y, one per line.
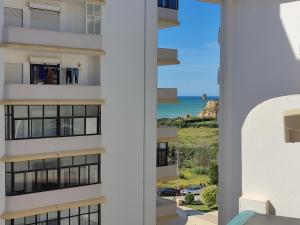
column 50, row 92
column 167, row 95
column 51, row 145
column 165, row 208
column 166, row 134
column 167, row 13
column 41, row 199
column 166, row 173
column 167, row 57
column 52, row 41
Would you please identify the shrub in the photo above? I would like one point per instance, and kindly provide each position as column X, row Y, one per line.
column 213, row 172
column 200, row 170
column 189, row 199
column 209, row 196
column 209, row 124
column 181, row 176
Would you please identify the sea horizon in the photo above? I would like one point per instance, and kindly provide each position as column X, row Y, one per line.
column 186, row 105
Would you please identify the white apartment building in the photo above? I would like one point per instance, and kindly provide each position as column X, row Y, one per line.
column 78, row 111
column 166, row 164
column 259, row 61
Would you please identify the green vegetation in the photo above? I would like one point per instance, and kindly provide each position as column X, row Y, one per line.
column 209, row 196
column 195, row 122
column 201, row 207
column 213, row 172
column 189, row 198
column 197, row 146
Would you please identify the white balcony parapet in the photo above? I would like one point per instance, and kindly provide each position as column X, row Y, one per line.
column 46, row 145
column 49, row 92
column 166, row 173
column 21, row 37
column 165, row 209
column 42, row 199
column 167, row 95
column 167, row 17
column 167, row 56
column 166, row 134
column 258, row 204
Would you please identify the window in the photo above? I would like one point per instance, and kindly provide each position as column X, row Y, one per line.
column 44, row 19
column 162, row 154
column 292, row 128
column 170, row 4
column 29, row 122
column 51, row 174
column 44, row 74
column 85, row 215
column 13, row 17
column 93, row 19
column 13, row 73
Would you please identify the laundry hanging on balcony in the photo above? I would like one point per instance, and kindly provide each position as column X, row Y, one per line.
column 72, row 76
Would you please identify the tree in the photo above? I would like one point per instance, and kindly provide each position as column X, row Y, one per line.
column 204, row 99
column 209, row 196
column 213, row 172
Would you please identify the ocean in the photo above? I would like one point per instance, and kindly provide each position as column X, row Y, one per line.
column 185, row 105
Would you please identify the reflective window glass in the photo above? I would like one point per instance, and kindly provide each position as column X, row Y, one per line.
column 20, row 111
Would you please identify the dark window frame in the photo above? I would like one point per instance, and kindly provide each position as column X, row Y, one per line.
column 169, row 4
column 10, row 132
column 60, row 184
column 162, row 151
column 59, row 217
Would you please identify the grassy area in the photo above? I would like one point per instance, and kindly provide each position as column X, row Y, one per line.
column 191, row 138
column 202, row 207
column 190, row 179
column 196, row 136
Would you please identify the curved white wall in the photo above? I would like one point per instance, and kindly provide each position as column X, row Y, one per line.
column 258, row 62
column 270, row 165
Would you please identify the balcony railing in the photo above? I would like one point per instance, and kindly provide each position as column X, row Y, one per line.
column 34, row 176
column 49, row 121
column 170, row 4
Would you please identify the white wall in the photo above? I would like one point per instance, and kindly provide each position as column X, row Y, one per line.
column 72, row 16
column 128, row 79
column 44, row 145
column 2, row 128
column 42, row 199
column 259, row 60
column 89, row 69
column 270, row 165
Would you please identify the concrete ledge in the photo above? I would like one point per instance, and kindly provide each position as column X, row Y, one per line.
column 167, row 18
column 255, row 203
column 165, row 209
column 23, row 35
column 166, row 173
column 167, row 56
column 166, row 134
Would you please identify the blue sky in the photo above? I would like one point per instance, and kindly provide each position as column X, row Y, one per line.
column 196, row 41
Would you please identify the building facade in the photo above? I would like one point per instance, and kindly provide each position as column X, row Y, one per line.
column 76, row 76
column 165, row 161
column 259, row 61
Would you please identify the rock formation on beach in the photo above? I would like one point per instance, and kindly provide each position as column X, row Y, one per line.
column 211, row 110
